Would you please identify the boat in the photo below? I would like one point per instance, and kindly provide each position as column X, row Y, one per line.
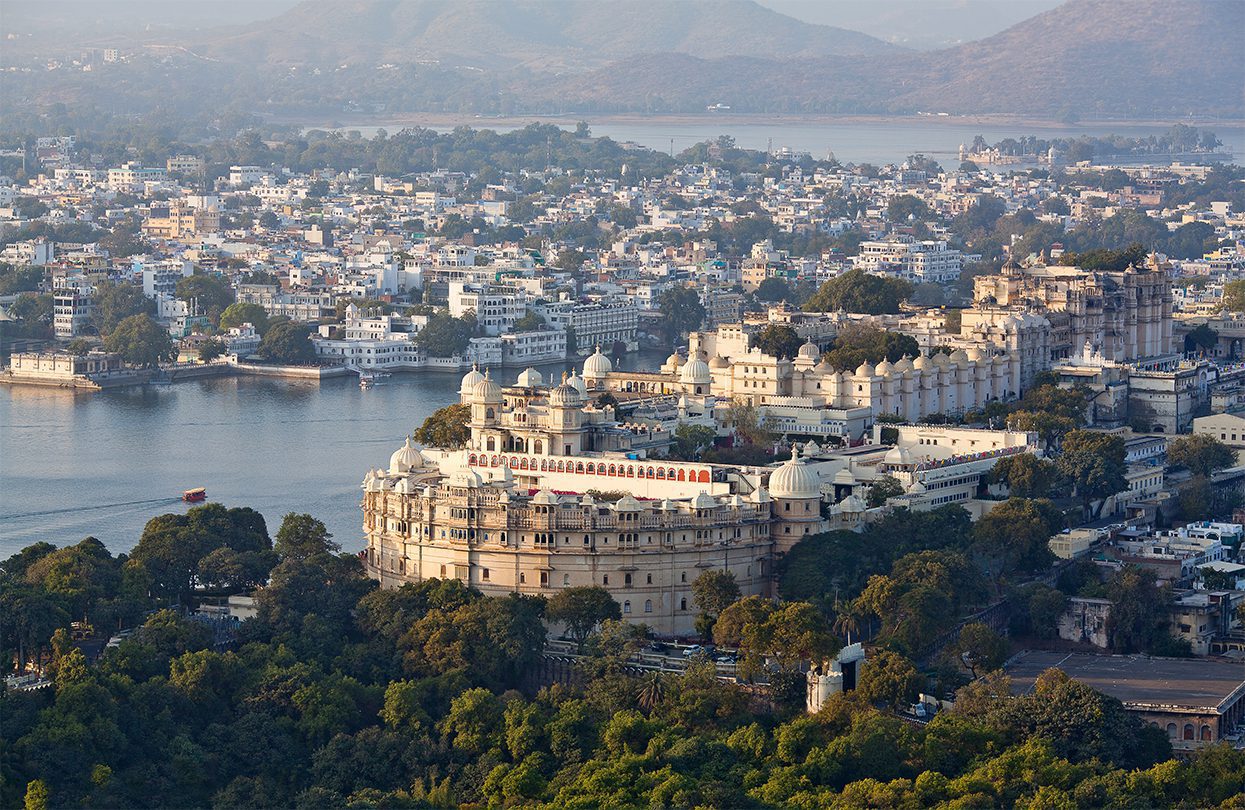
column 369, row 378
column 196, row 495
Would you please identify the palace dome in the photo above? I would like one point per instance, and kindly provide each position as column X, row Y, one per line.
column 486, row 391
column 719, row 361
column 566, row 395
column 809, row 351
column 405, row 459
column 577, row 382
column 597, row 365
column 695, row 372
column 795, row 479
column 898, row 457
column 530, row 378
column 865, row 369
column 469, row 381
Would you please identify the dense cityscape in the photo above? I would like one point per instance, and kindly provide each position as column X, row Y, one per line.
column 698, row 477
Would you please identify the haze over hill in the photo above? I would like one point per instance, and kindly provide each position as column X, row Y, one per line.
column 1085, row 58
column 531, row 32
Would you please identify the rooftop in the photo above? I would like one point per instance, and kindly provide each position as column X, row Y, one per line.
column 1139, row 681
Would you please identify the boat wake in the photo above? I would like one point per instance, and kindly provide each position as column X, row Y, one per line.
column 87, row 508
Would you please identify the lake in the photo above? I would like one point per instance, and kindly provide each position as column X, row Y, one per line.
column 104, row 463
column 852, row 140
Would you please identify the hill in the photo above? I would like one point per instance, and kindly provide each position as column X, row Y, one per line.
column 1086, row 57
column 548, row 34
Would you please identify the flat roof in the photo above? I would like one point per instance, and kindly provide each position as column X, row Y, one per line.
column 1137, row 680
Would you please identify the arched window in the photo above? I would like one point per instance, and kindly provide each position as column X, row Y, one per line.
column 592, row 468
column 523, row 464
column 579, row 468
column 491, row 445
column 648, row 605
column 538, row 447
column 627, row 606
column 661, row 474
column 670, row 474
column 681, row 476
column 544, row 466
column 630, row 472
column 1206, row 733
column 1171, row 730
column 443, row 572
column 1188, row 731
column 566, row 579
column 650, row 473
column 531, row 463
column 703, row 477
column 613, row 470
column 471, row 459
column 488, row 414
column 561, row 466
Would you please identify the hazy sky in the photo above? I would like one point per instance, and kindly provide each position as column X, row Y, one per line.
column 916, row 23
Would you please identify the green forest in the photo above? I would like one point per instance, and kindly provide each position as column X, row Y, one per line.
column 338, row 694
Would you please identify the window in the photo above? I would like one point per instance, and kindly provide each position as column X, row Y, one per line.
column 443, row 572
column 484, row 574
column 648, row 579
column 627, row 609
column 1188, row 731
column 648, row 608
column 683, row 577
column 522, row 579
column 1206, row 733
column 626, row 579
column 682, row 604
column 605, row 579
column 566, row 579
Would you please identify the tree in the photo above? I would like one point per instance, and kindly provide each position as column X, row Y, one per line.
column 446, row 428
column 861, row 343
column 1139, row 614
column 715, row 591
column 288, row 343
column 78, row 347
column 1017, row 533
column 883, row 489
column 302, row 537
column 777, row 340
column 858, row 291
column 889, row 679
column 1200, row 454
column 980, row 648
column 906, row 207
column 690, row 441
column 1234, row 296
column 445, row 335
column 1200, row 339
column 141, row 342
column 38, row 797
column 116, row 302
column 681, row 312
column 774, row 288
column 581, row 610
column 1094, row 463
column 531, row 322
column 1025, row 475
column 211, row 293
column 239, row 313
column 209, row 350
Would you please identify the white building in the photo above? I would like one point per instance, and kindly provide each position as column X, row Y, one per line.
column 919, row 262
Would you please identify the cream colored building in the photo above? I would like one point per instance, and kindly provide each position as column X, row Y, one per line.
column 551, row 492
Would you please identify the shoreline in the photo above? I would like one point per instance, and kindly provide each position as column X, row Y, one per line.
column 450, row 120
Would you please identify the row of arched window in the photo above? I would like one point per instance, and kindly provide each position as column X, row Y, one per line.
column 590, row 468
column 1188, row 732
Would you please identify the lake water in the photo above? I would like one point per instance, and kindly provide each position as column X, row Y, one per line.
column 877, row 141
column 104, row 463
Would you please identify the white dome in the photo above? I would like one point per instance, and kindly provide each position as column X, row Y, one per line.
column 719, row 361
column 921, row 363
column 486, row 391
column 466, row 478
column 865, row 369
column 674, row 361
column 597, row 365
column 898, row 457
column 577, row 382
column 794, row 479
column 469, row 381
column 545, row 498
column 704, row 501
column 405, row 459
column 809, row 350
column 852, row 505
column 566, row 395
column 695, row 372
column 627, row 504
column 530, row 378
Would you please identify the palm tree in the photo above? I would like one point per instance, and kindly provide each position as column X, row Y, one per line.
column 845, row 621
column 652, row 690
